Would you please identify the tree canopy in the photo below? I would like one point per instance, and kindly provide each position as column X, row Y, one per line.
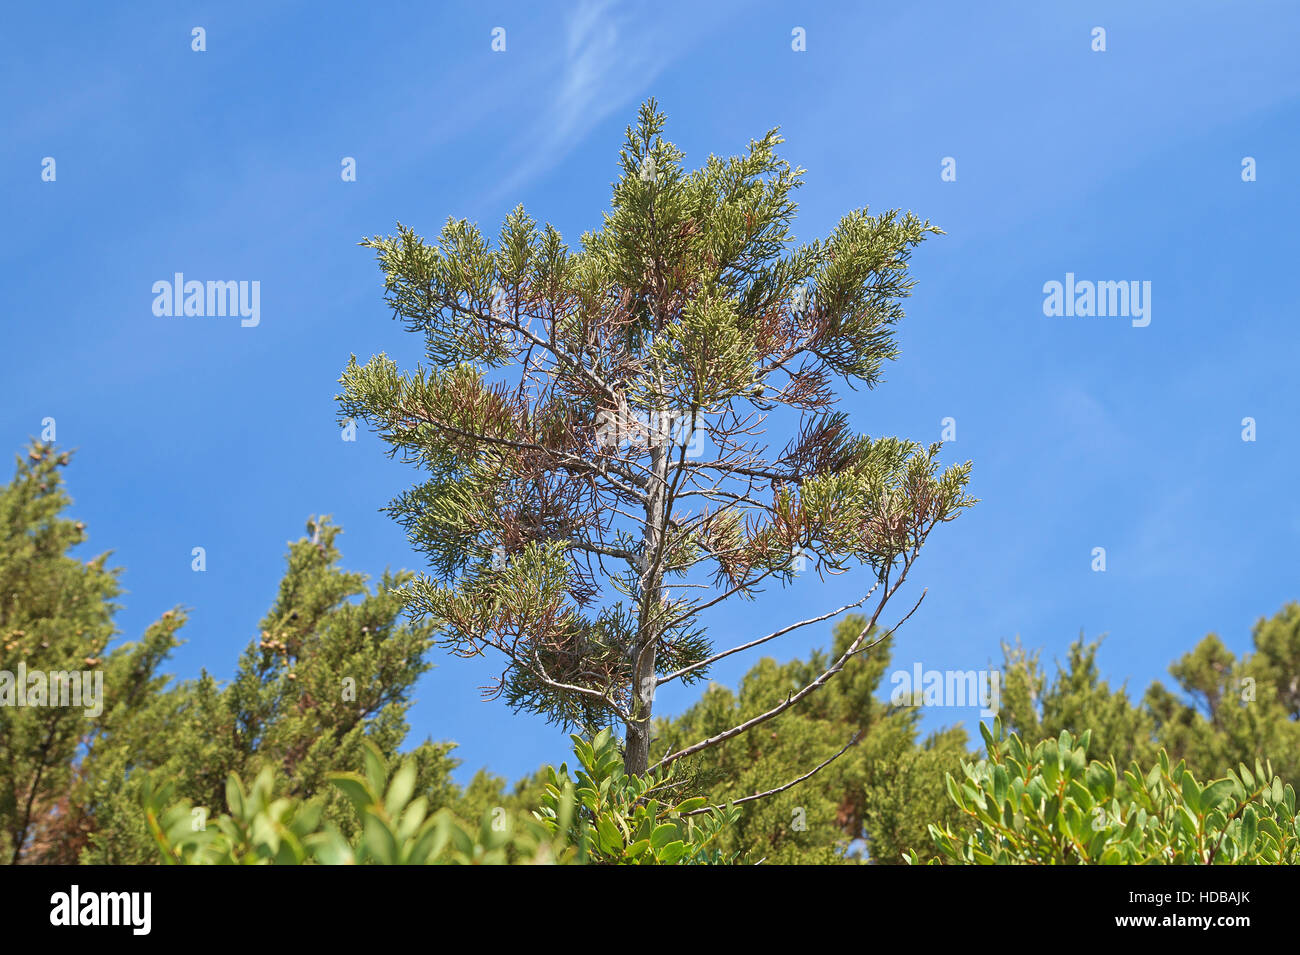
column 595, row 429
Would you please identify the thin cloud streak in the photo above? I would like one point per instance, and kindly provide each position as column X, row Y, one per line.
column 610, row 57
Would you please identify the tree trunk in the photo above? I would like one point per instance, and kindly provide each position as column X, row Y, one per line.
column 636, row 755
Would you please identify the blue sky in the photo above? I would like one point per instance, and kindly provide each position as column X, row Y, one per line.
column 1084, row 432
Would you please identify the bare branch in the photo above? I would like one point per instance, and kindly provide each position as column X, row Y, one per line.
column 790, row 785
column 771, row 636
column 812, row 687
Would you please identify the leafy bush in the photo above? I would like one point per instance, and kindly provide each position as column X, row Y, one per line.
column 394, row 829
column 622, row 818
column 1051, row 806
column 602, row 816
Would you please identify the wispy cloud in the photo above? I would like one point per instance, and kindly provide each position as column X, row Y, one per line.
column 611, row 54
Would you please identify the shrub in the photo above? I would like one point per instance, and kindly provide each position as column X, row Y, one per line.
column 1052, row 807
column 602, row 816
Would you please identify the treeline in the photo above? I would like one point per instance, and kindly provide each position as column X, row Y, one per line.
column 302, row 756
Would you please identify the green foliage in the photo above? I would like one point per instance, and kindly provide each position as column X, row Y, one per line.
column 603, row 816
column 1051, row 806
column 488, row 792
column 1077, row 698
column 632, row 820
column 1222, row 710
column 332, row 668
column 1235, row 710
column 72, row 784
column 56, row 616
column 394, row 826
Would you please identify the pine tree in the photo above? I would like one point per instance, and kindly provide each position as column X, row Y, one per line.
column 334, row 666
column 56, row 617
column 327, row 672
column 1222, row 711
column 1077, row 699
column 1235, row 710
column 569, row 523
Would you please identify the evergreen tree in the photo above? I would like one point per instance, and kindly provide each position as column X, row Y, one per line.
column 327, row 672
column 569, row 521
column 56, row 618
column 1223, row 710
column 1232, row 710
column 1078, row 699
column 333, row 667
